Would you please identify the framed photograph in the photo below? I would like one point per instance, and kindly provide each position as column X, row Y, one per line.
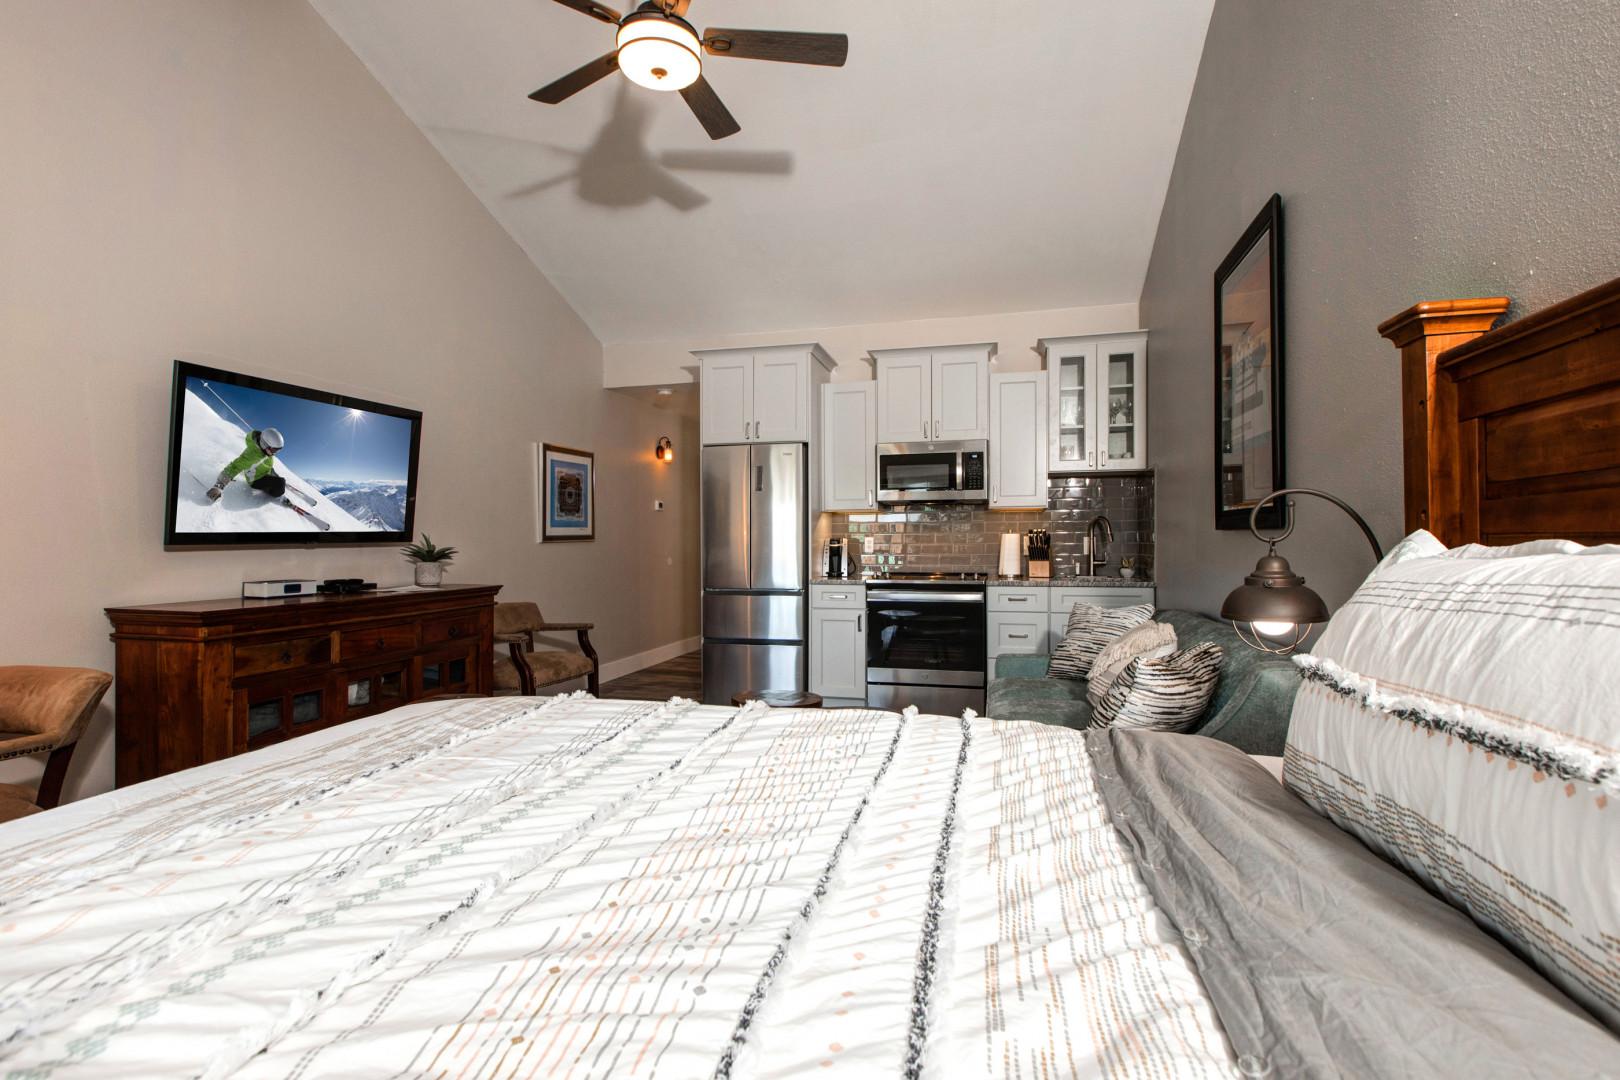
column 566, row 493
column 1249, row 374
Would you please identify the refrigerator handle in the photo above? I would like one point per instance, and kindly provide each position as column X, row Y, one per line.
column 759, row 478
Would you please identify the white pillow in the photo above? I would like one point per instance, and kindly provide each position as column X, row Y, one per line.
column 1151, row 640
column 1461, row 714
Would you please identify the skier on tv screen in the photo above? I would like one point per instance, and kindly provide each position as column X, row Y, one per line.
column 258, row 463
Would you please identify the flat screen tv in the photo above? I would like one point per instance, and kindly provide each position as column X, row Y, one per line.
column 258, row 462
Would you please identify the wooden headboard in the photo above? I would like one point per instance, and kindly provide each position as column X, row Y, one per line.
column 1512, row 434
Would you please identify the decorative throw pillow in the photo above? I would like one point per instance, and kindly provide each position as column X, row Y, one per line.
column 1459, row 716
column 1152, row 640
column 1090, row 630
column 1162, row 695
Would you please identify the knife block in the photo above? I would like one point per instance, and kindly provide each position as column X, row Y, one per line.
column 1040, row 568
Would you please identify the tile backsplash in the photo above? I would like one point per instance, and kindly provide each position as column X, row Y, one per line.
column 965, row 536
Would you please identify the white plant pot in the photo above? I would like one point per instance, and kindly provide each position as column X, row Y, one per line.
column 1127, row 572
column 429, row 573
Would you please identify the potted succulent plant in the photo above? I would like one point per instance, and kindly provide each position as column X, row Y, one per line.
column 1127, row 568
column 429, row 559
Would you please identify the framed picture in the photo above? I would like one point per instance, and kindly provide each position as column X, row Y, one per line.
column 1249, row 374
column 566, row 493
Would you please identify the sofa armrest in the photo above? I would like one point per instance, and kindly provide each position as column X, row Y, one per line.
column 1020, row 666
column 1255, row 718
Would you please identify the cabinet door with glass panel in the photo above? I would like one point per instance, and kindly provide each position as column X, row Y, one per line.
column 1096, row 403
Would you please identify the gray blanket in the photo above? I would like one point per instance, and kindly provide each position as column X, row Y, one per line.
column 1321, row 958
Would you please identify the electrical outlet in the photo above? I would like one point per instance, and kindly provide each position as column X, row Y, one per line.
column 658, row 504
column 866, row 544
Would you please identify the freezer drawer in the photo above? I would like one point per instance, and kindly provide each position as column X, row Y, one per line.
column 730, row 669
column 753, row 617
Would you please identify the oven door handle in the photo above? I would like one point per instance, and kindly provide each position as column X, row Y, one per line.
column 930, row 597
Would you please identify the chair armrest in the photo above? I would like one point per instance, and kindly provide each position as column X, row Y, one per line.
column 1021, row 666
column 564, row 626
column 512, row 639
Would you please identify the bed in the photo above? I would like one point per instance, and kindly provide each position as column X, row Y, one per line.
column 581, row 888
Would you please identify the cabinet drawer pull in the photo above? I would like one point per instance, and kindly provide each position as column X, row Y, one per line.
column 1018, row 636
column 381, row 645
column 858, row 627
column 756, row 429
column 1017, row 599
column 838, row 596
column 745, row 429
column 455, row 631
column 286, row 656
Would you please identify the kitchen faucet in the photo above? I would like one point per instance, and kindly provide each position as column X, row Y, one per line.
column 1093, row 557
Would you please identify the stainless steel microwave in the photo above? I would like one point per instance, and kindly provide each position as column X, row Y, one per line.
column 933, row 471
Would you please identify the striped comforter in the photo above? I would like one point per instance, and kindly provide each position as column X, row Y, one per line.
column 582, row 888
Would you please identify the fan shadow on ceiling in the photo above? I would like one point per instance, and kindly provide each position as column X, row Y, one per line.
column 619, row 170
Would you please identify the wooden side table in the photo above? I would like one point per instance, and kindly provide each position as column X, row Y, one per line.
column 779, row 699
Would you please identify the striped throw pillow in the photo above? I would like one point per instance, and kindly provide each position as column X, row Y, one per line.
column 1162, row 695
column 1090, row 630
column 1152, row 640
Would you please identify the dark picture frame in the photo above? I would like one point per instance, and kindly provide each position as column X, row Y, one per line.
column 1250, row 424
column 567, row 494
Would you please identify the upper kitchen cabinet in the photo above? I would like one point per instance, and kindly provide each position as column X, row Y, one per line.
column 938, row 394
column 1018, row 440
column 849, row 445
column 1096, row 403
column 760, row 395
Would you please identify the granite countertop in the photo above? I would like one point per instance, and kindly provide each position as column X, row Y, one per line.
column 1098, row 582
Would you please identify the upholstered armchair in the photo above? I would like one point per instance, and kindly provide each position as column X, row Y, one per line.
column 44, row 710
column 527, row 670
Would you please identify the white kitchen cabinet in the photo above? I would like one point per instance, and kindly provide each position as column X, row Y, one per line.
column 838, row 652
column 1018, row 440
column 939, row 394
column 849, row 446
column 1031, row 619
column 1096, row 403
column 761, row 395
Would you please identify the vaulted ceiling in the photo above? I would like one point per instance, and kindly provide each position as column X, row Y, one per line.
column 969, row 159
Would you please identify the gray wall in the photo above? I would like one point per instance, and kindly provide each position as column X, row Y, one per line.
column 1423, row 150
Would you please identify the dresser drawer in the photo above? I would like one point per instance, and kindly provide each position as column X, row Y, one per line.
column 838, row 596
column 377, row 641
column 264, row 656
column 1016, row 633
column 463, row 628
column 1017, row 598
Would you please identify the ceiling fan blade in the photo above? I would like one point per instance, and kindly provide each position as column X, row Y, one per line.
column 577, row 80
column 787, row 46
column 594, row 10
column 710, row 110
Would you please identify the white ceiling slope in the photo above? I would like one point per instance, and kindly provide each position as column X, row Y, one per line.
column 971, row 158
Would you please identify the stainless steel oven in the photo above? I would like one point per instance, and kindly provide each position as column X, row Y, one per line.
column 925, row 644
column 933, row 472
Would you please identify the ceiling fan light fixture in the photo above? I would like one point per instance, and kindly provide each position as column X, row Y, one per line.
column 660, row 52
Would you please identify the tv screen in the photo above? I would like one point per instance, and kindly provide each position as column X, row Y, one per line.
column 258, row 462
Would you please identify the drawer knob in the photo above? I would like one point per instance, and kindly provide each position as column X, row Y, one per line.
column 381, row 644
column 455, row 631
column 286, row 656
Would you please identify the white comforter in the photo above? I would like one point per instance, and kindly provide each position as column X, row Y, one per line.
column 582, row 888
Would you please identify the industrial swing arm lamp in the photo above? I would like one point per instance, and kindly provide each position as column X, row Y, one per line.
column 1272, row 610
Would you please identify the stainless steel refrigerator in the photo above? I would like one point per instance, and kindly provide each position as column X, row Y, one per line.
column 755, row 568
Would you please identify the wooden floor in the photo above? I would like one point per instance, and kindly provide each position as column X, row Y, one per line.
column 680, row 677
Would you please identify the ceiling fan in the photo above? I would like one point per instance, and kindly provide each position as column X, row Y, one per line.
column 657, row 48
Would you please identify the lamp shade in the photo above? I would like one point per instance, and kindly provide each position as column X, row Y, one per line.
column 660, row 52
column 1273, row 604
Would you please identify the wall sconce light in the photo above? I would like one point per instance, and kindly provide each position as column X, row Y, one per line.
column 665, row 450
column 1272, row 610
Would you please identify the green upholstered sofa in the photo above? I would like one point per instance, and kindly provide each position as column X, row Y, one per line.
column 1250, row 709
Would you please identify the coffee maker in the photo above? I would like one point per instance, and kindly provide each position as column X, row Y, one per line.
column 838, row 558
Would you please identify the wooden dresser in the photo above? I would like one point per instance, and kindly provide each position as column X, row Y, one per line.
column 207, row 679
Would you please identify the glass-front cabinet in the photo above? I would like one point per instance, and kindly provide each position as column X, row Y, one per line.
column 1096, row 402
